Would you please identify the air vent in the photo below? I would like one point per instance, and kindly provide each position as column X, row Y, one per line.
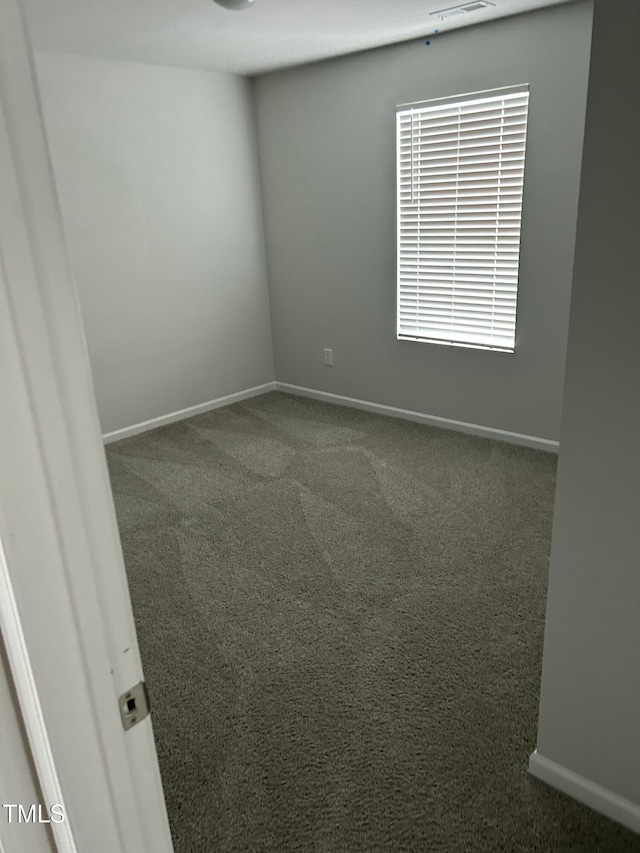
column 461, row 10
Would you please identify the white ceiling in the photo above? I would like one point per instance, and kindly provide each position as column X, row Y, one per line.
column 271, row 34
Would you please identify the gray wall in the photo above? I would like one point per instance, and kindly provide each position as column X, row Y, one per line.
column 590, row 700
column 158, row 181
column 326, row 142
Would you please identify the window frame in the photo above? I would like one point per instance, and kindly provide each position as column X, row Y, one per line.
column 522, row 90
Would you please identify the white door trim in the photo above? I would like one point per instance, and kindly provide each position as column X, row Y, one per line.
column 32, row 716
column 63, row 559
column 17, row 773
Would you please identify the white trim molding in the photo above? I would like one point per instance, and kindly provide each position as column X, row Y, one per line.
column 421, row 417
column 585, row 791
column 337, row 399
column 31, row 709
column 181, row 414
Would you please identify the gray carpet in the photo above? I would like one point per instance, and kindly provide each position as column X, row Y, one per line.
column 340, row 617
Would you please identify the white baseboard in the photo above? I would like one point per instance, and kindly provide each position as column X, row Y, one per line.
column 352, row 402
column 172, row 417
column 420, row 417
column 591, row 794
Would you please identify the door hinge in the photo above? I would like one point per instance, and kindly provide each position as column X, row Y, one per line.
column 134, row 705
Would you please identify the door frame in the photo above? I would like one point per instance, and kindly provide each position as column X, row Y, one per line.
column 18, row 783
column 65, row 609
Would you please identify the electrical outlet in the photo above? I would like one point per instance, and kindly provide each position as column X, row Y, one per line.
column 328, row 357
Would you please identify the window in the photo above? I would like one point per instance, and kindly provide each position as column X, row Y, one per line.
column 460, row 165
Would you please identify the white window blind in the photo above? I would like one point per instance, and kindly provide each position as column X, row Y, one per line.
column 460, row 181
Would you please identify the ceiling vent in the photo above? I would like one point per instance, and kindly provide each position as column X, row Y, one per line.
column 462, row 9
